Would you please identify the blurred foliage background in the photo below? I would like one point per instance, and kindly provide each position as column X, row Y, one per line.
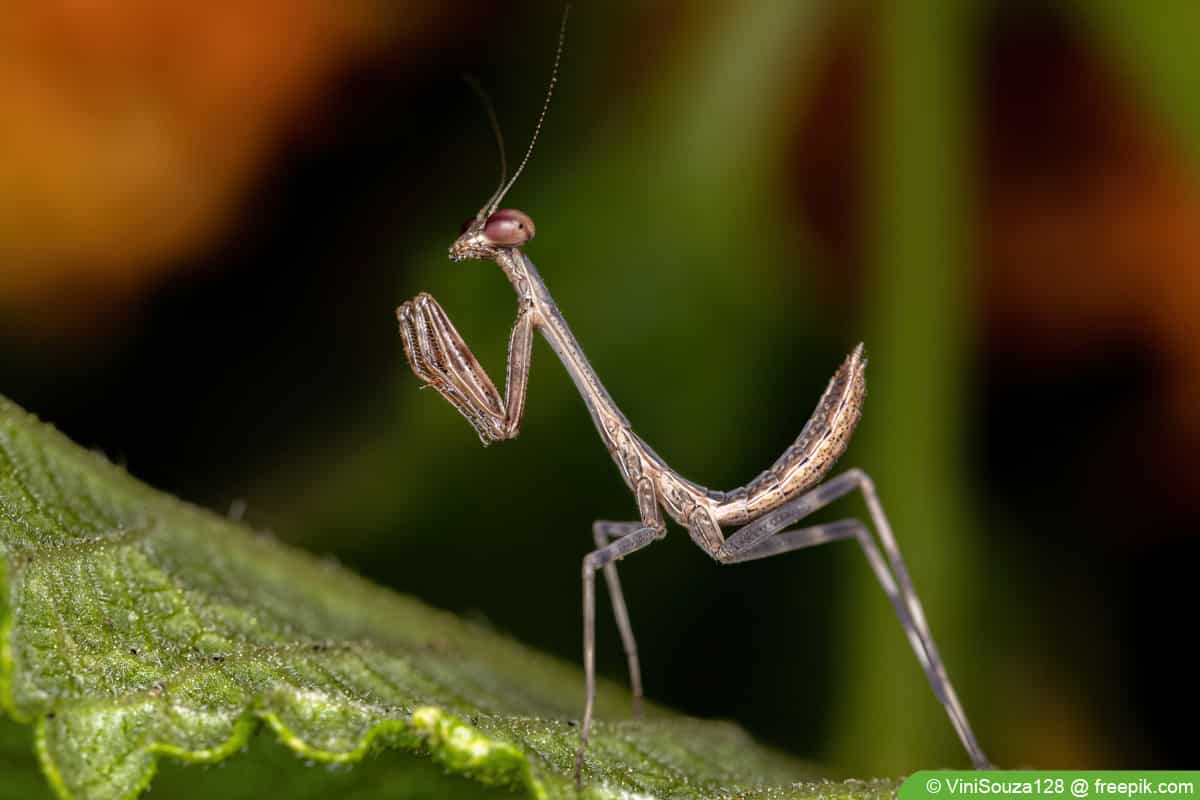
column 208, row 212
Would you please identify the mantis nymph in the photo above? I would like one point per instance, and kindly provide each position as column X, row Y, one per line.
column 763, row 514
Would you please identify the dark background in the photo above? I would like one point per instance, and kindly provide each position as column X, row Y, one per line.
column 208, row 213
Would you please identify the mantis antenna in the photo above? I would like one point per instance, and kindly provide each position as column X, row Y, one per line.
column 473, row 82
column 494, row 202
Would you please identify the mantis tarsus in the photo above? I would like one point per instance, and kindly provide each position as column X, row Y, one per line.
column 763, row 511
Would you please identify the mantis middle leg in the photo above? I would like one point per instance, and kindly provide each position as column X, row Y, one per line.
column 605, row 532
column 600, row 559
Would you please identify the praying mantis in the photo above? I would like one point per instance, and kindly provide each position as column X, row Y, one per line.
column 764, row 513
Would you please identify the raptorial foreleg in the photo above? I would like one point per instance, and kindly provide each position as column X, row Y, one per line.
column 441, row 358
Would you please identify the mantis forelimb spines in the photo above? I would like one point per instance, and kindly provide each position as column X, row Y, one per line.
column 763, row 511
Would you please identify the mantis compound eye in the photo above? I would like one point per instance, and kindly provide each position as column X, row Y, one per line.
column 508, row 228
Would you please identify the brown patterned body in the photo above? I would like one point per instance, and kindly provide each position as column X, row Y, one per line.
column 803, row 465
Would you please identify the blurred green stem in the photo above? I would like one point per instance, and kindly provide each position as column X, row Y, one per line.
column 1157, row 47
column 918, row 330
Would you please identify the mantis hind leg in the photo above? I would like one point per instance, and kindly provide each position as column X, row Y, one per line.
column 767, row 536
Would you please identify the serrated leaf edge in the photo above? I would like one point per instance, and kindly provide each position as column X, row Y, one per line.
column 456, row 745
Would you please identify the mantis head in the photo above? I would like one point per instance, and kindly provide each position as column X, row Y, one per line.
column 494, row 229
column 485, row 234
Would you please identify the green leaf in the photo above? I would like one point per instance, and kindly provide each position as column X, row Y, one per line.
column 134, row 626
